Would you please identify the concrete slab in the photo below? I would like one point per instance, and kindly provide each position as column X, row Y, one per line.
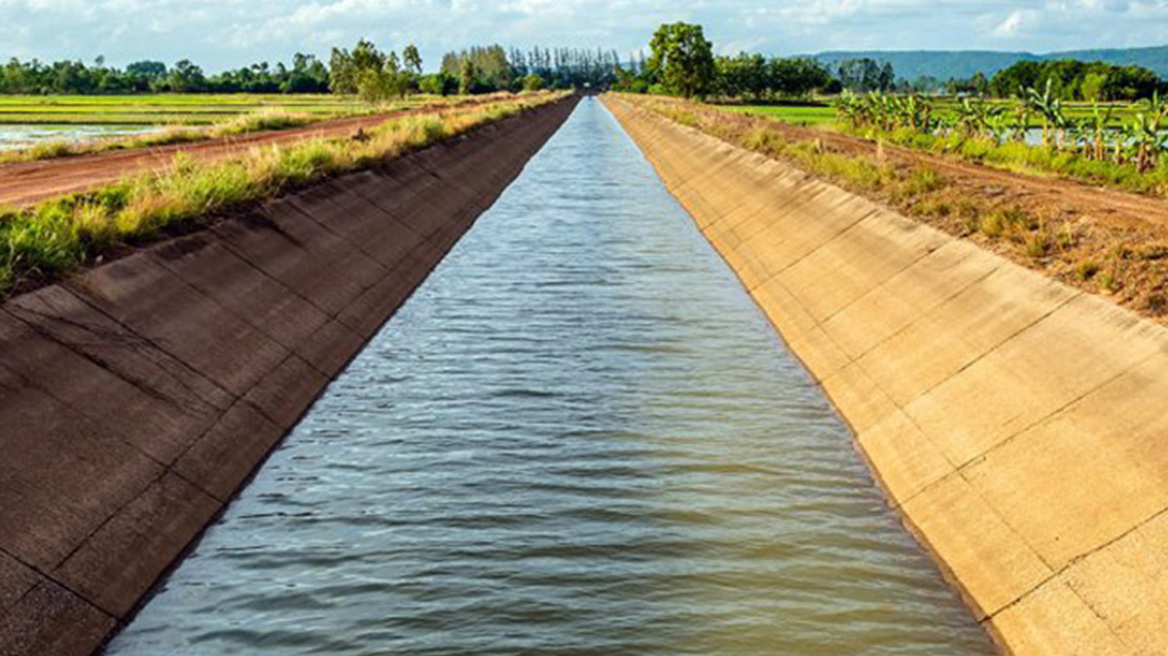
column 227, row 455
column 175, row 317
column 51, row 621
column 122, row 560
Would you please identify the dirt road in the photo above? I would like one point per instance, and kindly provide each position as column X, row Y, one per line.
column 23, row 183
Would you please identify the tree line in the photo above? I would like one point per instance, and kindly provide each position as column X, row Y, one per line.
column 682, row 62
column 364, row 70
column 1075, row 80
column 305, row 74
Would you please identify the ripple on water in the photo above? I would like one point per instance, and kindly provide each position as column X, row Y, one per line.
column 578, row 437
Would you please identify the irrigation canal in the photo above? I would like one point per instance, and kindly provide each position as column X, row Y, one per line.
column 578, row 437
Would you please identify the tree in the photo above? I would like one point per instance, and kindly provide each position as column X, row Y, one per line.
column 864, row 75
column 467, row 77
column 532, row 82
column 1091, row 88
column 438, row 84
column 682, row 60
column 185, row 77
column 412, row 59
column 342, row 73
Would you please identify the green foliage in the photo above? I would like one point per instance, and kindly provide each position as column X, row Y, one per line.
column 373, row 75
column 1070, row 79
column 682, row 60
column 468, row 74
column 481, row 69
column 757, row 78
column 865, row 74
column 1094, row 147
column 306, row 75
column 439, row 84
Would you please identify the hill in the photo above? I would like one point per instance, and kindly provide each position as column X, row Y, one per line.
column 945, row 64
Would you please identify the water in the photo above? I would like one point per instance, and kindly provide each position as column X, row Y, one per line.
column 13, row 137
column 578, row 437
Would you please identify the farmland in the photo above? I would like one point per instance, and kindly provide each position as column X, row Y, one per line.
column 57, row 126
column 169, row 109
column 794, row 114
column 40, row 241
column 823, row 111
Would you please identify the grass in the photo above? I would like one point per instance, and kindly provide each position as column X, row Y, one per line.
column 41, row 243
column 276, row 116
column 1126, row 262
column 1033, row 160
column 194, row 109
column 795, row 114
column 1012, row 156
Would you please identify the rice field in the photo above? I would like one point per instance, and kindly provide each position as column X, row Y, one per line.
column 169, row 109
column 33, row 127
column 796, row 114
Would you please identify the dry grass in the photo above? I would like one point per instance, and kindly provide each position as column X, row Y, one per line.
column 1128, row 264
column 40, row 243
column 264, row 120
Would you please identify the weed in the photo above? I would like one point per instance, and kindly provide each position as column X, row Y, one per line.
column 1038, row 244
column 1087, row 270
column 992, row 225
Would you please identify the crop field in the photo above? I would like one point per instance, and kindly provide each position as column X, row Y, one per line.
column 171, row 109
column 825, row 114
column 795, row 114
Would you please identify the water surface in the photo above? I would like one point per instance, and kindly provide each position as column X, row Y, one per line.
column 13, row 137
column 578, row 437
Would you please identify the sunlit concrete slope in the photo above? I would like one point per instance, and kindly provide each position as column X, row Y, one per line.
column 136, row 398
column 1021, row 426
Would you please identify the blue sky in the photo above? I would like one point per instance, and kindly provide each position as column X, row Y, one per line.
column 221, row 33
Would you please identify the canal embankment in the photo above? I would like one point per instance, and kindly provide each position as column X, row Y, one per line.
column 140, row 395
column 579, row 435
column 1014, row 421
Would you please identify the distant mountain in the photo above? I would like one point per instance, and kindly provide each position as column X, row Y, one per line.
column 945, row 64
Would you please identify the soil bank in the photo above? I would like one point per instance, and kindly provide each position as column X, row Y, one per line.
column 1017, row 423
column 139, row 396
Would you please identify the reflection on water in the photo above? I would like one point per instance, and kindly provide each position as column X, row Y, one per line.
column 578, row 437
column 13, row 137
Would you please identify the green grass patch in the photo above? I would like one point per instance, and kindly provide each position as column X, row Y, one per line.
column 794, row 114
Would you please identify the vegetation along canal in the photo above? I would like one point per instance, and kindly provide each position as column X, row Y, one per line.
column 578, row 437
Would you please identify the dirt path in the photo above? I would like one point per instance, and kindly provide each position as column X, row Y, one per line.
column 1102, row 240
column 1126, row 210
column 23, row 183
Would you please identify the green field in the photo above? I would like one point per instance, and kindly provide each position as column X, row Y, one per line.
column 795, row 114
column 826, row 114
column 170, row 109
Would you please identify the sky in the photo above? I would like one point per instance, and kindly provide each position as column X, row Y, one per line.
column 218, row 34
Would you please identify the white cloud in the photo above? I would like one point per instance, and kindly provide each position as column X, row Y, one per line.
column 1009, row 27
column 221, row 33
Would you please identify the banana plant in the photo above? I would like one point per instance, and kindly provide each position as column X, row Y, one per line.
column 1097, row 126
column 1022, row 114
column 1147, row 139
column 1049, row 107
column 999, row 126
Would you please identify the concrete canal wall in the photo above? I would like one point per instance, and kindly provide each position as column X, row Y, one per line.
column 136, row 398
column 1019, row 425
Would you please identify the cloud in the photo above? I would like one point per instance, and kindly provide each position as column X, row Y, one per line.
column 222, row 33
column 1009, row 27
